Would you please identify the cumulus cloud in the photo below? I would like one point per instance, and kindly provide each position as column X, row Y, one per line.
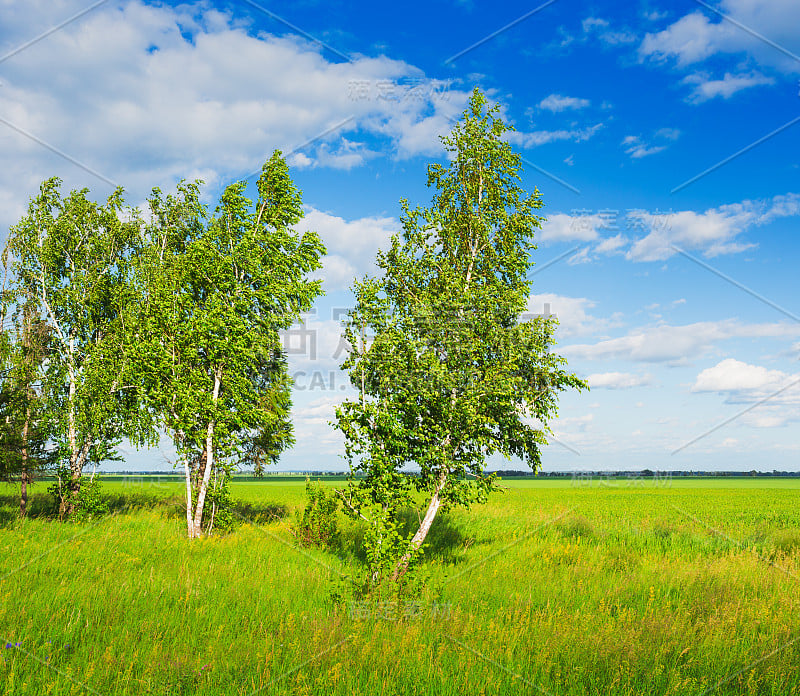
column 557, row 103
column 573, row 314
column 561, row 227
column 636, row 146
column 651, row 236
column 735, row 375
column 542, row 137
column 147, row 94
column 713, row 232
column 705, row 88
column 351, row 244
column 676, row 345
column 774, row 393
column 700, row 35
column 618, row 380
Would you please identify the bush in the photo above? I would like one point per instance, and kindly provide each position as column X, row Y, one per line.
column 87, row 499
column 576, row 526
column 219, row 505
column 318, row 525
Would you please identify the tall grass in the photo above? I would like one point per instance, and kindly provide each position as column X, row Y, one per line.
column 606, row 589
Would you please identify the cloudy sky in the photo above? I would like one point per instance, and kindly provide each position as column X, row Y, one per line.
column 662, row 136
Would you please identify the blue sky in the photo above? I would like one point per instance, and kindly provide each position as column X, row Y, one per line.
column 662, row 136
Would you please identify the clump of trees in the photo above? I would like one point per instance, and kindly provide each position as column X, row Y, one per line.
column 122, row 323
column 24, row 426
column 128, row 326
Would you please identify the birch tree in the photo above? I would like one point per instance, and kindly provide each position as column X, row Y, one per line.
column 70, row 261
column 447, row 372
column 24, row 426
column 215, row 291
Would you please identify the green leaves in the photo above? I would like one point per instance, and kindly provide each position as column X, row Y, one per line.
column 447, row 372
column 70, row 257
column 170, row 323
column 214, row 291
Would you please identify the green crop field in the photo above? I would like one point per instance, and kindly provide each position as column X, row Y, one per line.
column 553, row 587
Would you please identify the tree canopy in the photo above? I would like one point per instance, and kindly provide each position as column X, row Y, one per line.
column 447, row 373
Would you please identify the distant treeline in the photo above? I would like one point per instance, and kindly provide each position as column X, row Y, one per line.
column 509, row 473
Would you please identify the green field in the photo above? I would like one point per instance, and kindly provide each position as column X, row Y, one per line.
column 605, row 587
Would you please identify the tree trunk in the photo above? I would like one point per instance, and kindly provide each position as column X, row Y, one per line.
column 189, row 521
column 67, row 505
column 419, row 538
column 203, row 489
column 193, row 478
column 24, row 475
column 77, row 461
column 23, row 496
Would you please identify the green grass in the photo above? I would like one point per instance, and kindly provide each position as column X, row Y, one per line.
column 617, row 587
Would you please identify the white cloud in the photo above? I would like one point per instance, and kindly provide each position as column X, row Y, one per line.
column 542, row 137
column 601, row 29
column 637, row 147
column 611, row 245
column 351, row 244
column 582, row 256
column 699, row 35
column 148, row 94
column 618, row 380
column 676, row 344
column 574, row 317
column 714, row 232
column 615, row 38
column 780, row 206
column 689, row 40
column 561, row 227
column 315, row 346
column 654, row 15
column 775, row 394
column 319, row 410
column 734, row 375
column 311, row 425
column 591, row 23
column 705, row 88
column 668, row 133
column 558, row 103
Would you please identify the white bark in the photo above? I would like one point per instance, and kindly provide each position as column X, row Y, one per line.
column 419, row 538
column 189, row 520
column 201, row 493
column 71, row 432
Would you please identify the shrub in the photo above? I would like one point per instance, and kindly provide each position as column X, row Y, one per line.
column 318, row 525
column 576, row 526
column 88, row 499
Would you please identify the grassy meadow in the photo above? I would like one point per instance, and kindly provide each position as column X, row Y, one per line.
column 554, row 587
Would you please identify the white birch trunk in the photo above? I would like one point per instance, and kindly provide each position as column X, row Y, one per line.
column 71, row 430
column 189, row 520
column 419, row 538
column 201, row 493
